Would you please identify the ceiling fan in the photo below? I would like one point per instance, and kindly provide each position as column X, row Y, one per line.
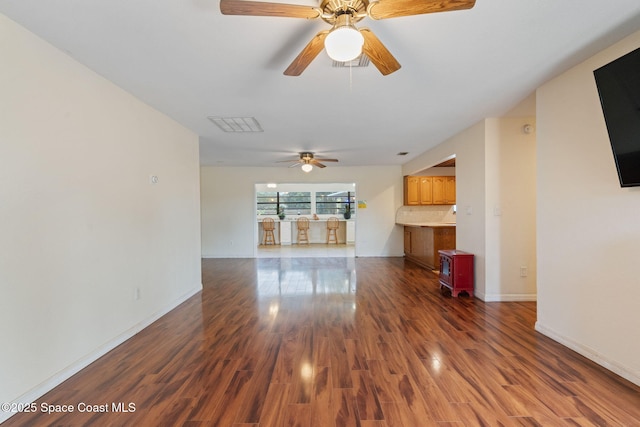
column 308, row 161
column 344, row 42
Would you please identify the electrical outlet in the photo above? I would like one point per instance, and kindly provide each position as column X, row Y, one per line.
column 136, row 294
column 523, row 271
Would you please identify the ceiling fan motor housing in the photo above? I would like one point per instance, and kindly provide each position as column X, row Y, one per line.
column 331, row 9
column 306, row 156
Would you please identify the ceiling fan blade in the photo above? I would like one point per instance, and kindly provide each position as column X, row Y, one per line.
column 307, row 55
column 326, row 160
column 378, row 53
column 257, row 8
column 384, row 9
column 287, row 161
column 318, row 164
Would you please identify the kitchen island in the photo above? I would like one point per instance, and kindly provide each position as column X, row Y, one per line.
column 422, row 241
column 287, row 231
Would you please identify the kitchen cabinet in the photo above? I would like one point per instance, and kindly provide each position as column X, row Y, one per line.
column 429, row 190
column 444, row 190
column 421, row 244
column 411, row 190
column 456, row 271
column 351, row 231
column 285, row 233
column 407, row 240
column 426, row 190
column 450, row 190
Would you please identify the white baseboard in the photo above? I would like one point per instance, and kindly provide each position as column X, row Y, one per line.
column 63, row 375
column 508, row 297
column 590, row 354
column 225, row 256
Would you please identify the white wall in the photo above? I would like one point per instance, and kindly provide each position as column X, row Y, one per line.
column 588, row 227
column 495, row 195
column 81, row 227
column 510, row 211
column 468, row 147
column 228, row 206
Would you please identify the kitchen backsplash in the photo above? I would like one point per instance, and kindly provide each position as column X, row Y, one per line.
column 436, row 213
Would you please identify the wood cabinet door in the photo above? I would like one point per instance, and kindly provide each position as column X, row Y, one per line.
column 407, row 241
column 427, row 253
column 426, row 190
column 429, row 190
column 438, row 190
column 450, row 190
column 446, row 238
column 411, row 190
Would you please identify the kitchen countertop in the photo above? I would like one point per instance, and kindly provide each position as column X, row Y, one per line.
column 427, row 224
column 311, row 220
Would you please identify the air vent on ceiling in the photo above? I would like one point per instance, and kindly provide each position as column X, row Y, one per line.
column 361, row 61
column 237, row 124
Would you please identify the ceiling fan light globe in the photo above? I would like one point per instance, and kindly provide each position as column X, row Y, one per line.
column 344, row 44
column 307, row 167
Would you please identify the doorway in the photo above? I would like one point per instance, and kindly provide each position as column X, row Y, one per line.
column 291, row 205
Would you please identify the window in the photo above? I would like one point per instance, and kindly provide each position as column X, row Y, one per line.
column 293, row 203
column 296, row 202
column 334, row 203
column 267, row 203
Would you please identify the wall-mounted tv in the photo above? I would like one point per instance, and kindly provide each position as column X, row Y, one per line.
column 619, row 87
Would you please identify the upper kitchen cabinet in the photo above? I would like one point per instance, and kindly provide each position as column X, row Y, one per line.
column 418, row 190
column 429, row 190
column 426, row 190
column 444, row 190
column 412, row 190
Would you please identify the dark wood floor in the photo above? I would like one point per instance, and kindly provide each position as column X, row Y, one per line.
column 341, row 342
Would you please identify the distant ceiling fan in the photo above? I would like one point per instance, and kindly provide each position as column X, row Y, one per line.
column 308, row 161
column 344, row 42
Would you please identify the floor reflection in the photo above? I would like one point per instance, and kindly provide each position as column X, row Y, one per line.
column 305, row 276
column 299, row 291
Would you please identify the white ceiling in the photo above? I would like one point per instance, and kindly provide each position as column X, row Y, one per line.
column 186, row 59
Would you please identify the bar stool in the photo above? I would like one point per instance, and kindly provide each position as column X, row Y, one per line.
column 303, row 230
column 268, row 225
column 332, row 230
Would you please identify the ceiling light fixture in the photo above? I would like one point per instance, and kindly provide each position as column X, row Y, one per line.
column 307, row 167
column 344, row 42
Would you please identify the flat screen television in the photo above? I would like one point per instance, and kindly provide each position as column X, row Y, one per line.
column 619, row 87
